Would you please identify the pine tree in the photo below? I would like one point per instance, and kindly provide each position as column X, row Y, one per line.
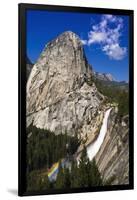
column 74, row 174
column 45, row 183
column 67, row 178
column 95, row 176
column 83, row 169
column 60, row 181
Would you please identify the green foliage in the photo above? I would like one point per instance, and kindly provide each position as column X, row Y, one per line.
column 37, row 183
column 95, row 175
column 45, row 148
column 60, row 181
column 123, row 104
column 63, row 178
column 115, row 94
column 84, row 174
column 89, row 174
column 84, row 169
column 67, row 177
column 74, row 175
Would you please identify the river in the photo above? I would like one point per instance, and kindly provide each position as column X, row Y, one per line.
column 94, row 147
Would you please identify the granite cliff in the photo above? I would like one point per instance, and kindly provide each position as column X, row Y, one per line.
column 29, row 66
column 113, row 156
column 59, row 96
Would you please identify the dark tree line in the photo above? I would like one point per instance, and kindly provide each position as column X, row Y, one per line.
column 82, row 174
column 79, row 175
column 44, row 148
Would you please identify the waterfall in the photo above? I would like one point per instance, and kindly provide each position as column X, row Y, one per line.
column 94, row 147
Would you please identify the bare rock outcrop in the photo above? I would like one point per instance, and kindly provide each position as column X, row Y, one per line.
column 59, row 96
column 113, row 156
column 29, row 66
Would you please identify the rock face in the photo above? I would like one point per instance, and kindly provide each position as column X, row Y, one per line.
column 113, row 156
column 59, row 96
column 29, row 66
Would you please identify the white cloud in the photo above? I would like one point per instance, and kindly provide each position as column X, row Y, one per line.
column 84, row 42
column 96, row 37
column 110, row 18
column 114, row 51
column 107, row 34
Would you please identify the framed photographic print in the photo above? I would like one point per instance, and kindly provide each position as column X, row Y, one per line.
column 75, row 99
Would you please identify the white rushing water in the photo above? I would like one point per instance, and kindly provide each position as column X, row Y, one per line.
column 93, row 148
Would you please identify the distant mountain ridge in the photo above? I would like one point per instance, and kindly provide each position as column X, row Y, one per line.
column 107, row 79
column 104, row 76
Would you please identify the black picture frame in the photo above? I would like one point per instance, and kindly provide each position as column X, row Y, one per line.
column 22, row 8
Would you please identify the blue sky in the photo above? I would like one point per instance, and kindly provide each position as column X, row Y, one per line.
column 104, row 37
